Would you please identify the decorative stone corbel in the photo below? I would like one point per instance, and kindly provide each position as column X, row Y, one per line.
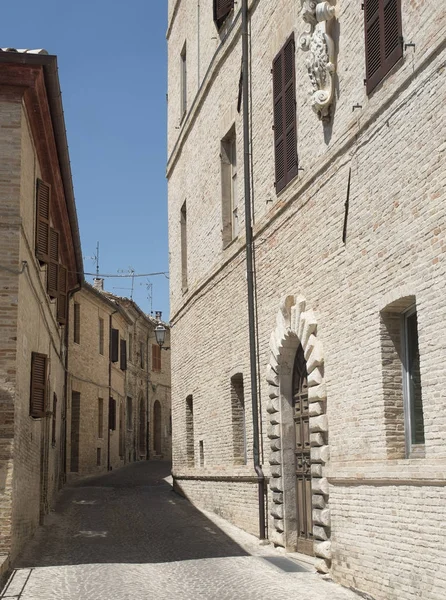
column 321, row 59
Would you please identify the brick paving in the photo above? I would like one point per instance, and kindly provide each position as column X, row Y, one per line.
column 127, row 535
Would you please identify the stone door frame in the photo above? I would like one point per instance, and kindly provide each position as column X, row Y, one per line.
column 296, row 324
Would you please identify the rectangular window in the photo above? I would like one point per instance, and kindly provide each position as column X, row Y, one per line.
column 62, row 303
column 114, row 345
column 121, row 430
column 183, row 225
column 183, row 80
column 100, row 417
column 77, row 323
column 190, row 431
column 130, row 352
column 129, row 413
column 75, row 431
column 383, row 39
column 98, row 457
column 52, row 281
column 123, row 355
column 39, row 369
column 238, row 419
column 228, row 154
column 412, row 385
column 43, row 202
column 101, row 336
column 112, row 414
column 222, row 8
column 156, row 357
column 201, row 453
column 141, row 355
column 285, row 120
column 54, row 421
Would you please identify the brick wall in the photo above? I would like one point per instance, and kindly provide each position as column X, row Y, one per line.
column 395, row 247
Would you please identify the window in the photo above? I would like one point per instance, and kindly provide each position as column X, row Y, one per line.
column 285, row 122
column 112, row 414
column 402, row 391
column 238, row 419
column 201, row 443
column 130, row 355
column 39, row 368
column 383, row 39
column 100, row 417
column 101, row 336
column 54, row 421
column 77, row 323
column 114, row 345
column 141, row 355
column 62, row 303
column 156, row 357
column 183, row 224
column 190, row 431
column 222, row 8
column 121, row 430
column 98, row 457
column 123, row 355
column 43, row 200
column 183, row 80
column 228, row 154
column 75, row 431
column 129, row 413
column 52, row 281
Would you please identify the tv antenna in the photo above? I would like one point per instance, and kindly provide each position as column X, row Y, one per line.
column 131, row 273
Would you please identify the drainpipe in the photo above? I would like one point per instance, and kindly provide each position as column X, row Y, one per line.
column 250, row 271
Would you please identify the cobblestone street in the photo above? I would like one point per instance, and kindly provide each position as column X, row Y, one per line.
column 127, row 535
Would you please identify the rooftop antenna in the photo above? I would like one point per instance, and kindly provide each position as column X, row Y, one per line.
column 95, row 259
column 149, row 287
column 131, row 272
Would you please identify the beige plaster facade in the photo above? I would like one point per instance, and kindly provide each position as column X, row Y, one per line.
column 377, row 506
column 32, row 449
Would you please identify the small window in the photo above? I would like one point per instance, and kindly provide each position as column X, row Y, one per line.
column 114, row 345
column 101, row 336
column 100, row 417
column 383, row 39
column 112, row 414
column 222, row 8
column 129, row 413
column 77, row 323
column 183, row 80
column 39, row 369
column 285, row 120
column 228, row 154
column 238, row 419
column 141, row 355
column 156, row 357
column 98, row 457
column 183, row 226
column 123, row 355
column 201, row 453
column 412, row 384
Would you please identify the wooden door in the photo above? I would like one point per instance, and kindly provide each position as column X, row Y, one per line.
column 302, row 454
column 157, row 427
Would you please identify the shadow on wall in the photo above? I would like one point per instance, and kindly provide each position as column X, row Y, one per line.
column 130, row 515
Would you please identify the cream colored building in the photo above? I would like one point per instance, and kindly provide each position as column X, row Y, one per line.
column 40, row 267
column 349, row 226
column 119, row 388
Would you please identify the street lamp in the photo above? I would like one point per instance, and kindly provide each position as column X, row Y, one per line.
column 160, row 335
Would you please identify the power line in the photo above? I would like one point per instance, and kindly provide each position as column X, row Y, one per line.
column 102, row 275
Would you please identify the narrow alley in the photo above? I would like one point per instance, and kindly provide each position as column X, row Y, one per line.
column 127, row 535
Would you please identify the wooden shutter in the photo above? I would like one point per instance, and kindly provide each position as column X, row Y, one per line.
column 114, row 345
column 285, row 122
column 112, row 414
column 53, row 265
column 383, row 38
column 43, row 197
column 39, row 364
column 62, row 304
column 156, row 357
column 123, row 357
column 222, row 8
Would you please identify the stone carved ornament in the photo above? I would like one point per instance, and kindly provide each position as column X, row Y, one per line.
column 321, row 59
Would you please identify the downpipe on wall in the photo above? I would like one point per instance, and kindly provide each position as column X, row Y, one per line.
column 250, row 271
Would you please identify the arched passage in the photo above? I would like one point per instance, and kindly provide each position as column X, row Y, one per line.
column 298, row 434
column 157, row 428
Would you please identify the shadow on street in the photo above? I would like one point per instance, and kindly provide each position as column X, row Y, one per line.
column 130, row 515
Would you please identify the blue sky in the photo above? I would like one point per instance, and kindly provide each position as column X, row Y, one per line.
column 112, row 68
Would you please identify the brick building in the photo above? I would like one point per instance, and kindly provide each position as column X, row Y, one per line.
column 40, row 266
column 119, row 388
column 347, row 149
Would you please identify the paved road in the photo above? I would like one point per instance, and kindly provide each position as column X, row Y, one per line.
column 127, row 536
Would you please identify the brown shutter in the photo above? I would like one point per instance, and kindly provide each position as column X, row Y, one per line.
column 114, row 345
column 285, row 125
column 112, row 413
column 156, row 357
column 123, row 357
column 43, row 197
column 222, row 8
column 39, row 364
column 62, row 305
column 383, row 38
column 53, row 265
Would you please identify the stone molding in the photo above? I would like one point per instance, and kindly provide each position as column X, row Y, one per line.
column 321, row 54
column 296, row 324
